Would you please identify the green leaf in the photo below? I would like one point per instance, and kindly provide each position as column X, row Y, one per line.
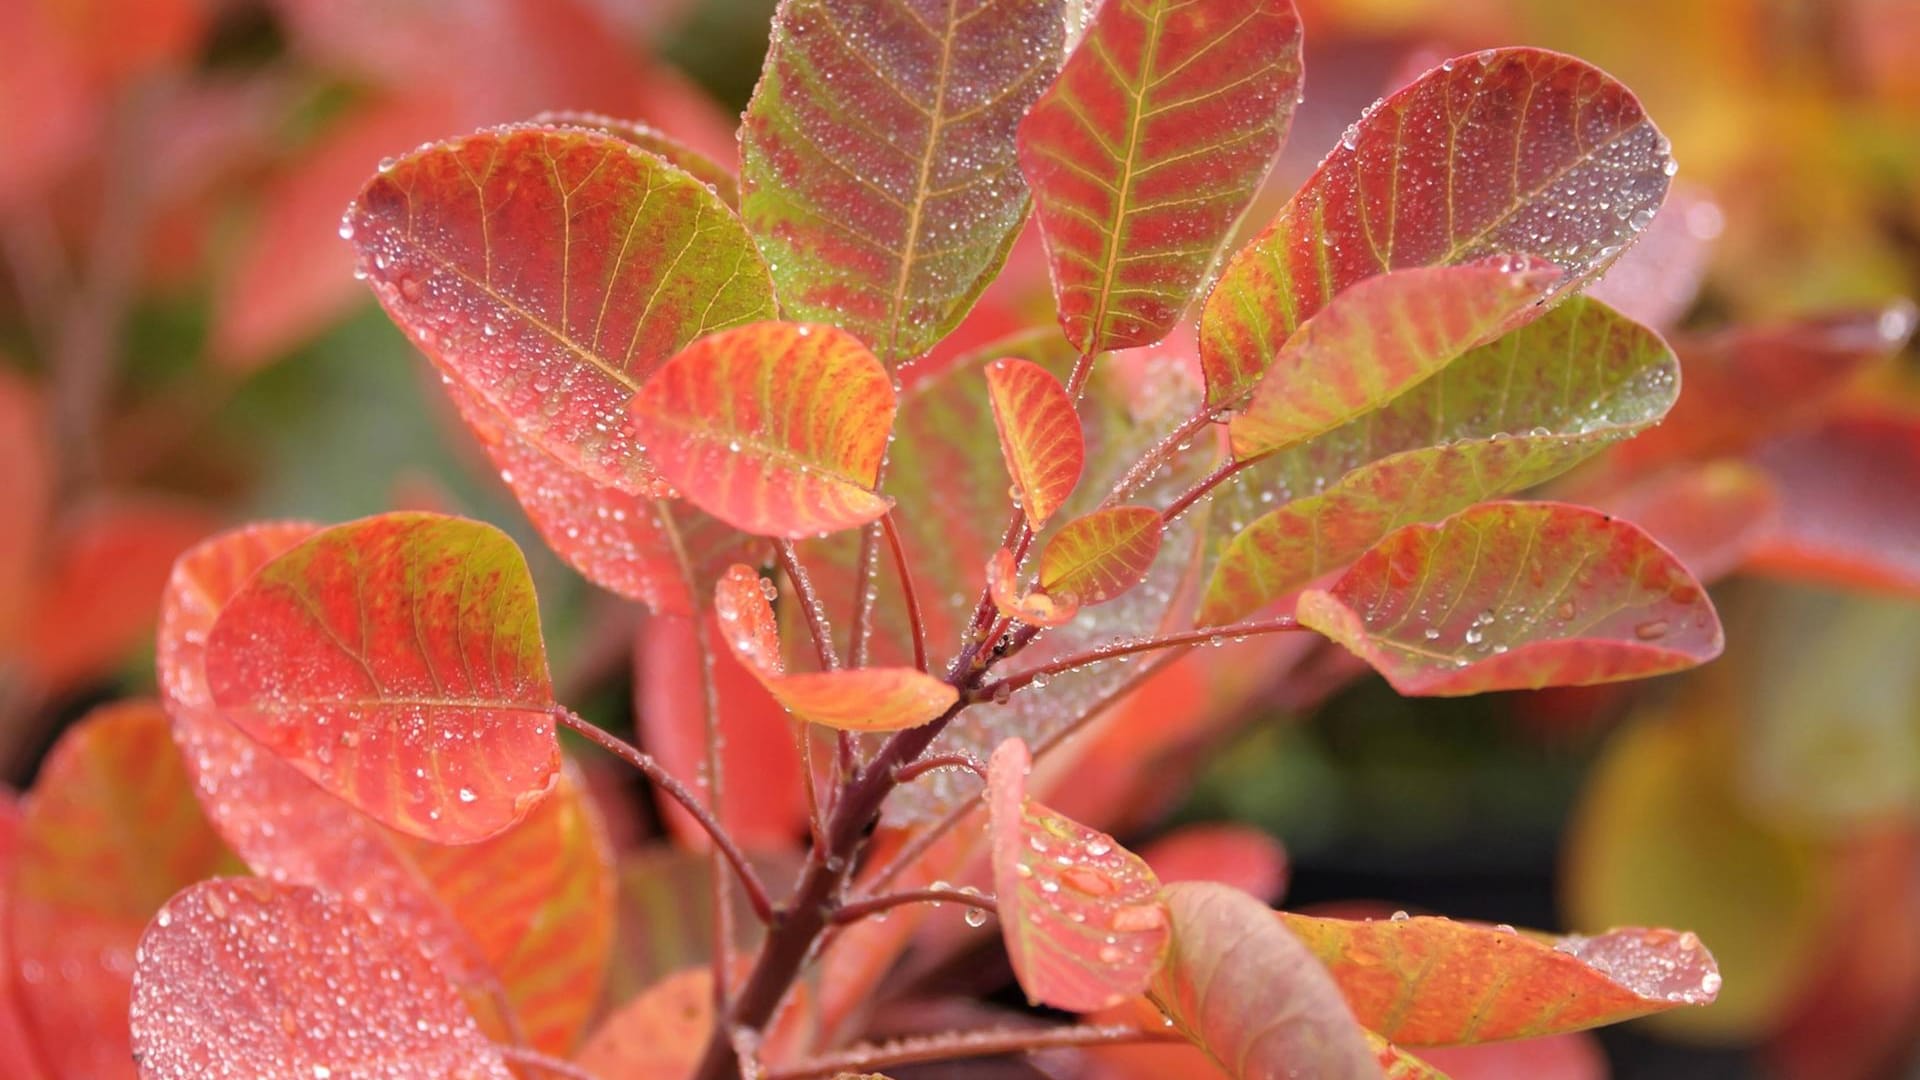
column 1102, row 555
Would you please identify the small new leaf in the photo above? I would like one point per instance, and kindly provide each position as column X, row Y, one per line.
column 1102, row 555
column 1039, row 435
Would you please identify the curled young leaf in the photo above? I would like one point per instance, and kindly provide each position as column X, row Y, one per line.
column 1035, row 608
column 1509, row 150
column 1251, row 995
column 776, row 428
column 1039, row 435
column 1098, row 557
column 1379, row 337
column 551, row 271
column 1146, row 151
column 862, row 699
column 1517, row 596
column 1078, row 912
column 1427, row 981
column 397, row 662
column 248, row 977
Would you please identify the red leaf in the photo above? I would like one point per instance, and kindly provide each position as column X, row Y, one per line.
column 1251, row 995
column 1039, row 435
column 1711, row 515
column 1098, row 557
column 246, row 977
column 18, row 1057
column 1656, row 281
column 1574, row 1056
column 1510, row 150
column 1077, row 911
column 1146, row 151
column 658, row 143
column 776, row 428
column 397, row 661
column 1231, row 854
column 1517, row 595
column 865, row 699
column 877, row 158
column 659, row 1035
column 1850, row 504
column 592, row 262
column 1034, row 608
column 1379, row 337
column 26, row 490
column 1434, row 982
column 109, row 831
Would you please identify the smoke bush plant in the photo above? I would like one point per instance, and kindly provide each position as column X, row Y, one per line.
column 757, row 408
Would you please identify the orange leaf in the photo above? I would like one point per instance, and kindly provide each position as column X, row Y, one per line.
column 1102, row 555
column 1035, row 608
column 1039, row 435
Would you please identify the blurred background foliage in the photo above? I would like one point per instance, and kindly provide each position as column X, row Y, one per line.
column 183, row 346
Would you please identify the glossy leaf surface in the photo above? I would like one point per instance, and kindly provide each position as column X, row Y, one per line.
column 1039, row 435
column 1036, row 608
column 1251, row 995
column 864, row 699
column 397, row 661
column 658, row 143
column 1427, row 981
column 1517, row 596
column 1509, row 150
column 249, row 977
column 1502, row 418
column 108, row 832
column 1379, row 337
column 1078, row 912
column 1102, row 555
column 1145, row 152
column 775, row 428
column 877, row 157
column 552, row 271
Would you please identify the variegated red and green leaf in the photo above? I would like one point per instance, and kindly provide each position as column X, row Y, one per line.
column 1849, row 504
column 1379, row 337
column 1078, row 912
column 1147, row 150
column 1098, row 557
column 862, row 699
column 1511, row 596
column 250, row 977
column 1510, row 150
column 718, row 178
column 1035, row 608
column 1039, row 435
column 1711, row 515
column 777, row 428
column 108, row 832
column 552, row 270
column 878, row 170
column 1427, row 981
column 1502, row 418
column 397, row 661
column 1250, row 994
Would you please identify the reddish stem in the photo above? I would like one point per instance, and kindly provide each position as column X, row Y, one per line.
column 914, row 617
column 956, row 1045
column 860, row 909
column 816, row 616
column 1109, row 652
column 907, row 773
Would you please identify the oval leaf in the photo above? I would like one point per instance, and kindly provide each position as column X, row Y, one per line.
column 247, row 977
column 1379, row 337
column 1860, row 532
column 1035, row 608
column 776, row 428
column 552, row 271
column 1100, row 556
column 877, row 157
column 1039, row 435
column 1502, row 418
column 1077, row 911
column 1509, row 150
column 658, row 143
column 1434, row 982
column 1251, row 995
column 1146, row 151
column 397, row 661
column 1517, row 596
column 865, row 699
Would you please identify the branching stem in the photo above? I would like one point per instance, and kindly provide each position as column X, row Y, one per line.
column 860, row 909
column 1184, row 639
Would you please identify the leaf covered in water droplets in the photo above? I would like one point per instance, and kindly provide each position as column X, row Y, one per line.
column 1146, row 151
column 1379, row 337
column 862, row 699
column 1078, row 912
column 1509, row 150
column 551, row 271
column 1427, row 981
column 250, row 978
column 1035, row 608
column 1039, row 435
column 397, row 661
column 1102, row 555
column 777, row 428
column 877, row 157
column 1251, row 995
column 656, row 142
column 1511, row 596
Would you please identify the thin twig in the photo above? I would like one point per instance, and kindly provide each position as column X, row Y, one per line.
column 1159, row 454
column 863, row 599
column 956, row 1045
column 914, row 618
column 854, row 912
column 657, row 773
column 809, row 781
column 1077, row 379
column 1102, row 653
column 816, row 616
column 916, row 769
column 1207, row 483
